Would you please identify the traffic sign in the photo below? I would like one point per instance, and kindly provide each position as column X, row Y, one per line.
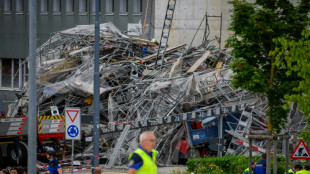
column 73, row 123
column 301, row 151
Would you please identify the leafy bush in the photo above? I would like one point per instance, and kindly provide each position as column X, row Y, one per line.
column 227, row 164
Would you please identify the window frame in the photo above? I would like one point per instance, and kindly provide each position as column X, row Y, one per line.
column 93, row 7
column 70, row 11
column 109, row 7
column 14, row 73
column 20, row 6
column 137, row 7
column 123, row 7
column 44, row 7
column 56, row 7
column 82, row 2
column 7, row 7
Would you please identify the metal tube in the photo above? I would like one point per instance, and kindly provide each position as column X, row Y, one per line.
column 20, row 74
column 268, row 166
column 96, row 90
column 150, row 22
column 275, row 152
column 307, row 161
column 250, row 155
column 286, row 154
column 32, row 115
column 220, row 134
column 220, row 41
column 72, row 156
column 12, row 72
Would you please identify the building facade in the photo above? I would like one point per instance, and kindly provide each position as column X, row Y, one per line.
column 52, row 16
column 133, row 17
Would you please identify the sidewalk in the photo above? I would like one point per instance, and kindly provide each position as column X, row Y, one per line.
column 123, row 170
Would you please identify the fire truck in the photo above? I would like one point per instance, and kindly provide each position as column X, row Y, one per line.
column 14, row 138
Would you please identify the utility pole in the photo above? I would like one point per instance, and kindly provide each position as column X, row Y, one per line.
column 96, row 95
column 32, row 115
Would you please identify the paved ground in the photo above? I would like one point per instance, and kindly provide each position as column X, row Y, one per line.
column 123, row 170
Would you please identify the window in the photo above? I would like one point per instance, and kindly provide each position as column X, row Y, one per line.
column 93, row 6
column 7, row 6
column 15, row 68
column 25, row 73
column 123, row 6
column 19, row 6
column 10, row 73
column 69, row 6
column 56, row 6
column 109, row 6
column 44, row 6
column 82, row 6
column 6, row 72
column 137, row 6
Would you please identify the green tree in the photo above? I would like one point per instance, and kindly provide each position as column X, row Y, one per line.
column 254, row 26
column 294, row 56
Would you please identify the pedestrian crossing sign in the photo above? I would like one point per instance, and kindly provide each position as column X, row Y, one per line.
column 301, row 151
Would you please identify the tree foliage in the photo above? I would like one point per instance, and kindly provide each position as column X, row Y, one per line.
column 294, row 56
column 254, row 27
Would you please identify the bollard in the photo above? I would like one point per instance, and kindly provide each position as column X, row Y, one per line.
column 97, row 170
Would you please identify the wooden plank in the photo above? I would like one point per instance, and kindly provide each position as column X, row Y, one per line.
column 142, row 41
column 198, row 62
column 169, row 50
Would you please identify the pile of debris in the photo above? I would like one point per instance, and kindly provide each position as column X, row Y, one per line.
column 186, row 100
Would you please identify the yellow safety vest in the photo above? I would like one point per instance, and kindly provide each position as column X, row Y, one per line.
column 246, row 170
column 149, row 164
column 303, row 172
column 291, row 171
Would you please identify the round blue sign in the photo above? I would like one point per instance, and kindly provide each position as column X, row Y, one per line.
column 73, row 131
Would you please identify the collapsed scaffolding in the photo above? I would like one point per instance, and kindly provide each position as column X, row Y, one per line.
column 188, row 100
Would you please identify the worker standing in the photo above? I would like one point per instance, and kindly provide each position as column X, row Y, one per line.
column 53, row 165
column 260, row 167
column 143, row 160
column 304, row 171
column 295, row 169
column 246, row 171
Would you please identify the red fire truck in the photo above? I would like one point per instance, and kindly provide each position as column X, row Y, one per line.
column 13, row 138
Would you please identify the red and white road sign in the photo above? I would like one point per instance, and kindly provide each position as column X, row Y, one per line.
column 73, row 123
column 301, row 151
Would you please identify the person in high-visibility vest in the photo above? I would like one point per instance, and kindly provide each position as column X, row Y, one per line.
column 295, row 169
column 246, row 171
column 305, row 170
column 143, row 160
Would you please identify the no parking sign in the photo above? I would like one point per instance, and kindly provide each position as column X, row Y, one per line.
column 73, row 123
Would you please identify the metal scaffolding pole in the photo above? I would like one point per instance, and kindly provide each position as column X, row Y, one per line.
column 96, row 90
column 32, row 135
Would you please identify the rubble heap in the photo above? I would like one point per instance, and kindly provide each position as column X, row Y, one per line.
column 185, row 100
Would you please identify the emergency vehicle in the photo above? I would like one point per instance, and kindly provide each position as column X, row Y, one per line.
column 13, row 138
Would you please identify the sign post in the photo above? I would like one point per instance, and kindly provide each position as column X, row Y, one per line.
column 73, row 127
column 301, row 151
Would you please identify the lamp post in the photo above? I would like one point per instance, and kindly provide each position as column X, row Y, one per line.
column 32, row 134
column 96, row 91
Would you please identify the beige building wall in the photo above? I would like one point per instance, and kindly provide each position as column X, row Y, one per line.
column 187, row 17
